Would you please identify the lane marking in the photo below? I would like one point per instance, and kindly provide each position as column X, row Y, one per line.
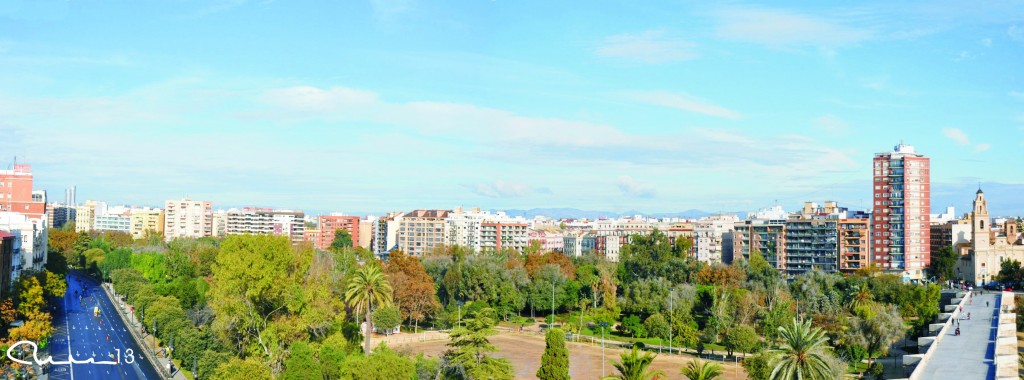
column 72, row 366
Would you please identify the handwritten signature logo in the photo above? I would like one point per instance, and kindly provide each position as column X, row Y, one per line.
column 129, row 357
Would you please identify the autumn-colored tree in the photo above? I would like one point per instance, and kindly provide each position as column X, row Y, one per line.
column 117, row 239
column 721, row 275
column 62, row 242
column 8, row 314
column 536, row 261
column 415, row 294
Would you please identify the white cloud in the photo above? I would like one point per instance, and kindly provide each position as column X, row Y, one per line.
column 631, row 187
column 501, row 189
column 956, row 135
column 986, row 42
column 652, row 46
column 384, row 9
column 1016, row 94
column 982, row 147
column 683, row 102
column 831, row 124
column 1016, row 32
column 778, row 28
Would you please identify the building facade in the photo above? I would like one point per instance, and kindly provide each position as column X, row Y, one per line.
column 16, row 194
column 113, row 222
column 496, row 236
column 420, row 231
column 811, row 244
column 902, row 208
column 768, row 236
column 146, row 221
column 30, row 241
column 327, row 224
column 711, row 235
column 265, row 221
column 549, row 241
column 981, row 259
column 186, row 218
column 950, row 234
column 854, row 244
column 385, row 234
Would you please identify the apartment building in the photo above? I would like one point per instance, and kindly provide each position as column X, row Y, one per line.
column 16, row 194
column 578, row 243
column 265, row 221
column 420, row 231
column 30, row 241
column 496, row 236
column 901, row 238
column 327, row 224
column 6, row 261
column 854, row 244
column 713, row 237
column 385, row 234
column 549, row 240
column 811, row 244
column 220, row 224
column 85, row 215
column 186, row 218
column 113, row 222
column 766, row 235
column 146, row 221
column 609, row 246
column 365, row 238
column 950, row 234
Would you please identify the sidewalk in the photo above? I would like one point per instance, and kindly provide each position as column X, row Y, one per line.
column 143, row 339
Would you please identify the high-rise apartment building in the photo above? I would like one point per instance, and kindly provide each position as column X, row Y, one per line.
column 327, row 224
column 146, row 221
column 420, row 231
column 186, row 218
column 768, row 236
column 902, row 208
column 712, row 233
column 385, row 234
column 265, row 221
column 854, row 247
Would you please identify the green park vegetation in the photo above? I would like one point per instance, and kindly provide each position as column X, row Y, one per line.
column 259, row 307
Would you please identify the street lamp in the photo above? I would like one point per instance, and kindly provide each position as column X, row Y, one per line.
column 460, row 313
column 603, row 325
column 552, row 324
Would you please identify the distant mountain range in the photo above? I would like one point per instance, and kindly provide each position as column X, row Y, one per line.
column 573, row 213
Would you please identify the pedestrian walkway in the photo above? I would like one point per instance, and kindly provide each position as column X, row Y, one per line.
column 971, row 355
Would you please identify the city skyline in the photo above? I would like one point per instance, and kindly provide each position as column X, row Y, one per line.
column 398, row 105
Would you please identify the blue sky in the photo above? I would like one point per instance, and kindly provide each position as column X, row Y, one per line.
column 392, row 105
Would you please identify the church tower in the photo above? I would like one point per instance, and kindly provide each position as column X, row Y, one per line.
column 982, row 223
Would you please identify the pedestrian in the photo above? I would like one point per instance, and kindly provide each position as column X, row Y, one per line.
column 986, row 303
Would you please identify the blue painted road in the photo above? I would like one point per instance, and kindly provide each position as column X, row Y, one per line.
column 82, row 334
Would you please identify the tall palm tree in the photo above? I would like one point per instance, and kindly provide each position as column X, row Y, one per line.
column 633, row 366
column 698, row 369
column 858, row 295
column 802, row 354
column 366, row 289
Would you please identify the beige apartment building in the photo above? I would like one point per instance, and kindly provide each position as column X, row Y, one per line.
column 422, row 230
column 85, row 215
column 145, row 221
column 185, row 218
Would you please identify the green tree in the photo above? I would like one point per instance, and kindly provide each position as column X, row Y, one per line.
column 1010, row 271
column 698, row 369
column 239, row 369
column 386, row 318
column 633, row 326
column 301, row 364
column 367, row 288
column 634, row 365
column 332, row 355
column 342, row 239
column 944, row 263
column 757, row 366
column 802, row 354
column 383, row 364
column 470, row 344
column 554, row 365
column 740, row 338
column 879, row 330
column 657, row 326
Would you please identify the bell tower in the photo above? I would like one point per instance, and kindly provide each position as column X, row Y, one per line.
column 981, row 222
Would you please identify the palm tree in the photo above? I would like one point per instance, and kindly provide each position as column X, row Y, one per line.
column 859, row 295
column 366, row 289
column 802, row 354
column 633, row 366
column 701, row 370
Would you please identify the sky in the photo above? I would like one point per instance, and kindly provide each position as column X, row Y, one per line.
column 379, row 105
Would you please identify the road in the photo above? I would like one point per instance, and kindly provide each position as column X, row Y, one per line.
column 84, row 335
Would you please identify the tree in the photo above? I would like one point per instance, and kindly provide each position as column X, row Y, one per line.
column 1010, row 271
column 554, row 365
column 634, row 366
column 415, row 294
column 702, row 370
column 633, row 326
column 301, row 364
column 54, row 284
column 239, row 369
column 741, row 338
column 879, row 330
column 383, row 364
column 757, row 366
column 802, row 353
column 470, row 344
column 342, row 239
column 365, row 289
column 944, row 263
column 386, row 318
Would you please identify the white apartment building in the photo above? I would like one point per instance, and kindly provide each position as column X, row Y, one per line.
column 483, row 231
column 30, row 241
column 85, row 215
column 265, row 221
column 711, row 233
column 185, row 218
column 420, row 231
column 385, row 234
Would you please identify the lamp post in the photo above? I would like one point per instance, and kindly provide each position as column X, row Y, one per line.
column 552, row 324
column 671, row 313
column 460, row 313
column 195, row 369
column 603, row 358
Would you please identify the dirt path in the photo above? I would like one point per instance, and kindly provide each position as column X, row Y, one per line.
column 525, row 350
